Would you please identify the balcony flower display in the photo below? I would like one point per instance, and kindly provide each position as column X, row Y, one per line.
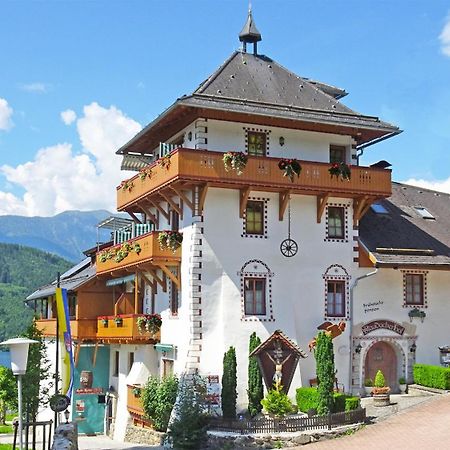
column 104, row 320
column 149, row 322
column 127, row 185
column 235, row 161
column 164, row 162
column 145, row 172
column 340, row 170
column 290, row 167
column 416, row 312
column 170, row 240
column 120, row 253
column 118, row 321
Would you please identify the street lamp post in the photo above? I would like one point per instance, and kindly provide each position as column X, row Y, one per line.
column 18, row 348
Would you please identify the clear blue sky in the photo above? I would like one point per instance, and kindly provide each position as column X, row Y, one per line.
column 139, row 56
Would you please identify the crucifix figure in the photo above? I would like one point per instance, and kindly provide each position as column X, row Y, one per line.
column 278, row 361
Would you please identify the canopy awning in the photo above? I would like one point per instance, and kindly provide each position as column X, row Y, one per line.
column 121, row 280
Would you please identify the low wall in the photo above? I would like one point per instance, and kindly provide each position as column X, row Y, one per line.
column 139, row 435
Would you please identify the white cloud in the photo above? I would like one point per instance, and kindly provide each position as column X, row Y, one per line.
column 38, row 88
column 444, row 37
column 435, row 185
column 59, row 179
column 5, row 115
column 68, row 116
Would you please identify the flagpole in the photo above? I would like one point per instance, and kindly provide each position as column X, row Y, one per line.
column 58, row 282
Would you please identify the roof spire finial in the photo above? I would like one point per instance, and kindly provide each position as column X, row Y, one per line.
column 250, row 33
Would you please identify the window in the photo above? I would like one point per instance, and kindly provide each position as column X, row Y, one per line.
column 72, row 300
column 337, row 154
column 414, row 289
column 255, row 296
column 256, row 143
column 336, row 222
column 173, row 299
column 335, row 298
column 254, row 217
column 130, row 360
column 174, row 221
column 378, row 208
column 167, row 368
column 116, row 364
column 424, row 212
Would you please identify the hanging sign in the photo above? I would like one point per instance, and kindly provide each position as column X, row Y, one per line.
column 59, row 402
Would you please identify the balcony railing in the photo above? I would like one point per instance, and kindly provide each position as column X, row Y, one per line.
column 124, row 328
column 261, row 173
column 132, row 231
column 143, row 249
column 82, row 329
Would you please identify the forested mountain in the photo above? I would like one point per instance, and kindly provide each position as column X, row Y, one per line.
column 67, row 234
column 22, row 270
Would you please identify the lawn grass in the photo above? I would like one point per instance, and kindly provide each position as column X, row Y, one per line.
column 6, row 429
column 6, row 447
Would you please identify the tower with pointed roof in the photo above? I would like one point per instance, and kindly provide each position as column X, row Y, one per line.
column 250, row 34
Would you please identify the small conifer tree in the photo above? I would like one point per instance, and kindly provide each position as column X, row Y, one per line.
column 325, row 371
column 255, row 390
column 229, row 384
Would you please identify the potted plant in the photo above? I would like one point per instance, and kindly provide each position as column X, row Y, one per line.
column 144, row 173
column 402, row 383
column 340, row 170
column 153, row 323
column 104, row 320
column 118, row 321
column 380, row 391
column 137, row 391
column 416, row 312
column 164, row 162
column 141, row 322
column 170, row 240
column 290, row 167
column 368, row 385
column 235, row 161
column 127, row 185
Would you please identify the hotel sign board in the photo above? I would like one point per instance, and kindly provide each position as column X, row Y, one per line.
column 383, row 324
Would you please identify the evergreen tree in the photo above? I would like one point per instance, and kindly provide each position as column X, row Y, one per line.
column 229, row 384
column 324, row 355
column 255, row 390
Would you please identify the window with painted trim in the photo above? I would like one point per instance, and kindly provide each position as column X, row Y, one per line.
column 254, row 217
column 256, row 143
column 336, row 222
column 414, row 292
column 254, row 296
column 335, row 298
column 174, row 299
column 337, row 154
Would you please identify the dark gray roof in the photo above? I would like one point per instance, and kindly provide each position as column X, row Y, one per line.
column 403, row 237
column 70, row 280
column 258, row 85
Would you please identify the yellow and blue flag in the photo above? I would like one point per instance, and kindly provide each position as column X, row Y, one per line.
column 65, row 342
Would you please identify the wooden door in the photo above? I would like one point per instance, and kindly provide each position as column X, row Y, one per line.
column 381, row 356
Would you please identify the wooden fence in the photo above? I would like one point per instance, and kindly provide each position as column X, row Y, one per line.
column 289, row 423
column 43, row 441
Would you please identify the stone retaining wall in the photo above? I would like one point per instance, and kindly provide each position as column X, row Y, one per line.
column 139, row 435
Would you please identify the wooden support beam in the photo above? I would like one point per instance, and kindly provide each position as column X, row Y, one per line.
column 160, row 209
column 243, row 199
column 183, row 197
column 133, row 216
column 203, row 190
column 174, row 205
column 358, row 207
column 94, row 355
column 172, row 276
column 161, row 281
column 152, row 283
column 282, row 203
column 136, row 294
column 77, row 353
column 321, row 203
column 149, row 214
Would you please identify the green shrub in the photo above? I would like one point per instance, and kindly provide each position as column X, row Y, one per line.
column 401, row 380
column 276, row 402
column 368, row 382
column 324, row 355
column 255, row 390
column 307, row 398
column 229, row 384
column 158, row 397
column 432, row 376
column 379, row 380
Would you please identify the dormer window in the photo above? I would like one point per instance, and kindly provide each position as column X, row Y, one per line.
column 378, row 208
column 337, row 154
column 256, row 143
column 423, row 212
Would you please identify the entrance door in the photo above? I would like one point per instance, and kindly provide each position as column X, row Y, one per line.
column 381, row 356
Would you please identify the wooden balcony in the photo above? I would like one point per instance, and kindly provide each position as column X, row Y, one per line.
column 200, row 167
column 134, row 406
column 127, row 332
column 150, row 254
column 82, row 329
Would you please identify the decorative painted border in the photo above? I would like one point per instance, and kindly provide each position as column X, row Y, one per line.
column 346, row 207
column 425, row 300
column 265, row 206
column 340, row 274
column 269, row 317
column 257, row 130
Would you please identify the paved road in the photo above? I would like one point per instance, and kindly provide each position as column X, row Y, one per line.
column 422, row 427
column 104, row 443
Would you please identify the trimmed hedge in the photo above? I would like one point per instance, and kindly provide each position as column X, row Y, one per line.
column 308, row 398
column 432, row 376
